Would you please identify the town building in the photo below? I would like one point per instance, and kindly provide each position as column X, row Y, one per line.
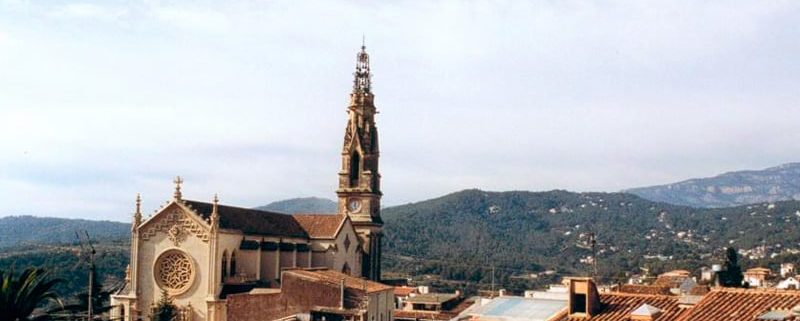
column 756, row 277
column 707, row 275
column 199, row 253
column 790, row 283
column 432, row 306
column 315, row 295
column 787, row 269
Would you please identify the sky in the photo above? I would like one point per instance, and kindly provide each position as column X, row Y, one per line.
column 102, row 100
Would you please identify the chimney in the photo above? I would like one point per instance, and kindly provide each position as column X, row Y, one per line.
column 584, row 300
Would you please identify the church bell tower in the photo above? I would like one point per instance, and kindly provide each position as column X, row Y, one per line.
column 359, row 182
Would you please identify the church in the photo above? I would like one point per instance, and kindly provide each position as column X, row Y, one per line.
column 199, row 253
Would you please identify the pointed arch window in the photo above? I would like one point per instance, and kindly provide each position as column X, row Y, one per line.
column 224, row 264
column 233, row 263
column 355, row 166
column 346, row 268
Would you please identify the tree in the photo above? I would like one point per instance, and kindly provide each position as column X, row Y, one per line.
column 731, row 275
column 165, row 310
column 20, row 296
column 100, row 300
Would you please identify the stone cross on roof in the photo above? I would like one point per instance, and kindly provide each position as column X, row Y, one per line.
column 178, row 181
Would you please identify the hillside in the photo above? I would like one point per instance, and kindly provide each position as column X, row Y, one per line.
column 454, row 240
column 301, row 205
column 18, row 230
column 459, row 236
column 730, row 189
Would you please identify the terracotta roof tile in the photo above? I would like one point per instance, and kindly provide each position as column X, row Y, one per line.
column 422, row 315
column 699, row 290
column 644, row 289
column 741, row 304
column 404, row 290
column 334, row 278
column 320, row 226
column 618, row 307
column 670, row 281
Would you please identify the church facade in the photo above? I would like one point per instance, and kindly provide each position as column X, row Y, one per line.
column 198, row 253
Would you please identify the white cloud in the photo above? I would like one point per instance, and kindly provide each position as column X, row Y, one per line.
column 87, row 10
column 204, row 20
column 247, row 99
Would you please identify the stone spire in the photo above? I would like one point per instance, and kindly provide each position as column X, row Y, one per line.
column 214, row 219
column 137, row 216
column 359, row 189
column 178, row 181
column 362, row 82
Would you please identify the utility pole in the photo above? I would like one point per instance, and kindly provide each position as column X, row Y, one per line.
column 593, row 243
column 492, row 280
column 90, row 260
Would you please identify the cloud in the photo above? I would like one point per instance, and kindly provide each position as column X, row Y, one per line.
column 247, row 99
column 192, row 19
column 87, row 10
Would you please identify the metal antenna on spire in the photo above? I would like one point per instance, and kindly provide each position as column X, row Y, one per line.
column 363, row 42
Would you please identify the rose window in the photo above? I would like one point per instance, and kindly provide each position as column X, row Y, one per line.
column 174, row 271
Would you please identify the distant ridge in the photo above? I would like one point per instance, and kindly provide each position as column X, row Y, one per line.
column 773, row 184
column 302, row 205
column 460, row 236
column 20, row 230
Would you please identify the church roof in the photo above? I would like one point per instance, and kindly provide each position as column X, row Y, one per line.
column 320, row 226
column 251, row 221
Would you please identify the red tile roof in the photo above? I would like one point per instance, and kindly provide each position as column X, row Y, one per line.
column 404, row 290
column 334, row 278
column 433, row 315
column 618, row 307
column 670, row 280
column 320, row 226
column 422, row 315
column 731, row 304
column 644, row 289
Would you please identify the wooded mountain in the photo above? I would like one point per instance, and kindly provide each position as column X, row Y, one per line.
column 461, row 235
column 457, row 238
column 17, row 230
column 730, row 189
column 302, row 205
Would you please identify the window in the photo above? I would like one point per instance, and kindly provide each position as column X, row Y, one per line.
column 355, row 166
column 578, row 303
column 233, row 263
column 224, row 264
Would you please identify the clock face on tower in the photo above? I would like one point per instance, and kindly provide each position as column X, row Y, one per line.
column 354, row 205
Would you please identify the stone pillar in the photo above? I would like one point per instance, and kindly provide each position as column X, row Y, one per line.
column 278, row 261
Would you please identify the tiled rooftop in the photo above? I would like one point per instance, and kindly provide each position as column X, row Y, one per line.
column 335, row 278
column 618, row 307
column 730, row 304
column 320, row 226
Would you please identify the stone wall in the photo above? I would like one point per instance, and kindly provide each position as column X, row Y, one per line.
column 297, row 295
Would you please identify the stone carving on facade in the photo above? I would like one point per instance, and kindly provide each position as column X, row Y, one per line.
column 174, row 271
column 185, row 225
column 176, row 234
